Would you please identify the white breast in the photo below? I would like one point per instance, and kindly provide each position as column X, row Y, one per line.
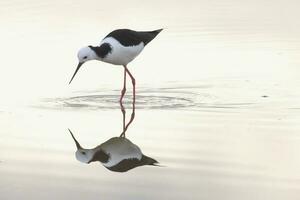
column 120, row 149
column 121, row 55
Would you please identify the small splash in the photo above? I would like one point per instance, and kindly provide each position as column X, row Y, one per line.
column 176, row 98
column 145, row 100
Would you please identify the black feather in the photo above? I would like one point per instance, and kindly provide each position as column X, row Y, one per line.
column 129, row 37
column 103, row 50
column 131, row 163
column 101, row 156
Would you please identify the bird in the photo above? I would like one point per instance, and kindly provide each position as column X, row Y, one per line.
column 119, row 47
column 117, row 154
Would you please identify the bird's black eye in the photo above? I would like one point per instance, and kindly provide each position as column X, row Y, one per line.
column 83, row 153
column 85, row 57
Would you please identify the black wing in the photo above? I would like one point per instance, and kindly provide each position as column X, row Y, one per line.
column 128, row 164
column 129, row 37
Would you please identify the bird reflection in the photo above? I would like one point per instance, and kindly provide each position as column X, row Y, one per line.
column 117, row 154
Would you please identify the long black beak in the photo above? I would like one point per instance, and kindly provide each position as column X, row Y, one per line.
column 78, row 67
column 76, row 142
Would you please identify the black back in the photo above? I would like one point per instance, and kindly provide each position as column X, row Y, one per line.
column 129, row 37
column 128, row 164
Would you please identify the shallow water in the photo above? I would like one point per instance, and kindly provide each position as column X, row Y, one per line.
column 217, row 100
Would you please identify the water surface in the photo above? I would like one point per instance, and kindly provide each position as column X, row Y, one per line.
column 217, row 100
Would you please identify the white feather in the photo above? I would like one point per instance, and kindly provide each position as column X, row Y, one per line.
column 120, row 149
column 86, row 157
column 121, row 55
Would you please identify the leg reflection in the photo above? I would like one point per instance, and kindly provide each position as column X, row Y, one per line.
column 125, row 127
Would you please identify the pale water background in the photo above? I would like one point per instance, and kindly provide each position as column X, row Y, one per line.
column 218, row 100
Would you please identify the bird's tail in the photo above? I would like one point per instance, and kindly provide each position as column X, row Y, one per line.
column 157, row 31
column 149, row 161
column 150, row 35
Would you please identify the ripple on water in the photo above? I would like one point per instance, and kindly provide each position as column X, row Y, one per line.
column 183, row 97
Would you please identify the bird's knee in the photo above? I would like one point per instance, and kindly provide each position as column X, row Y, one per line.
column 123, row 91
column 133, row 81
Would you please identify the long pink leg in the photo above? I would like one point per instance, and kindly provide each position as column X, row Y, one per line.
column 124, row 116
column 131, row 118
column 133, row 105
column 121, row 98
column 124, row 87
column 132, row 80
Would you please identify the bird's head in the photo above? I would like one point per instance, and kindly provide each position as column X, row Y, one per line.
column 84, row 54
column 82, row 155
